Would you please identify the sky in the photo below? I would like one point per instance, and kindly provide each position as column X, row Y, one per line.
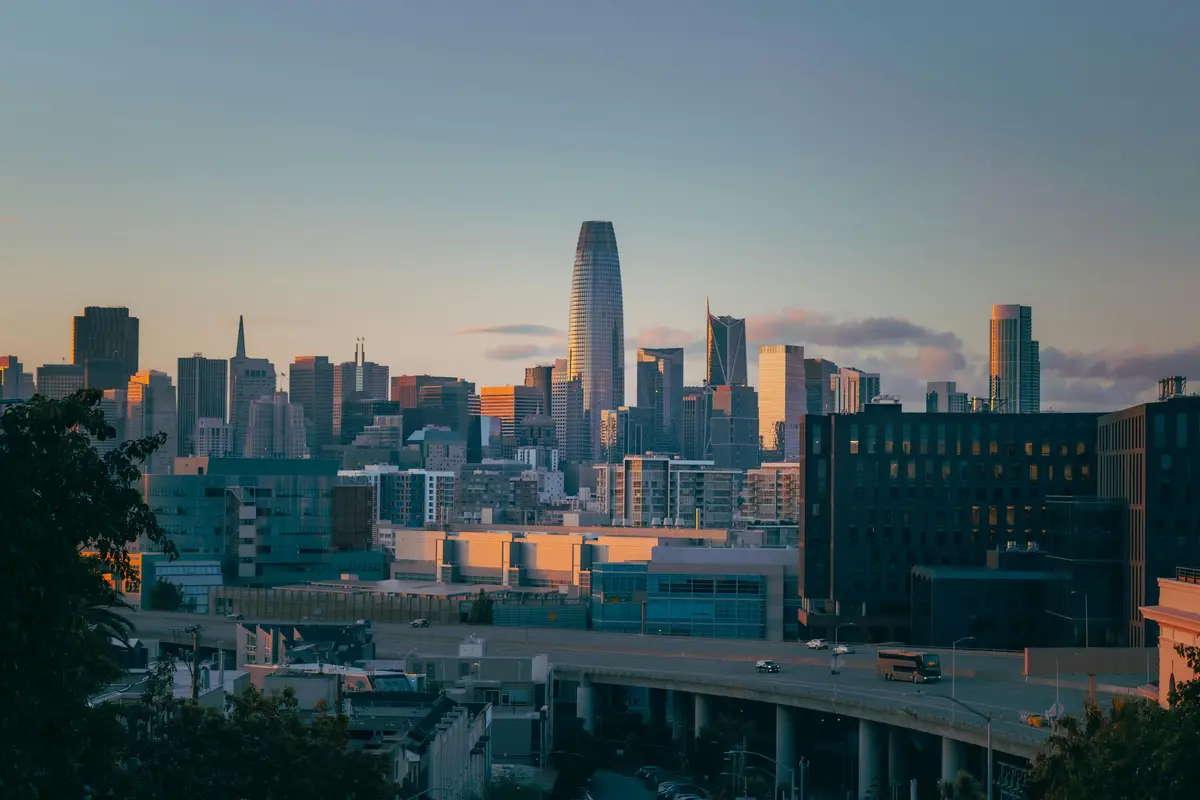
column 864, row 179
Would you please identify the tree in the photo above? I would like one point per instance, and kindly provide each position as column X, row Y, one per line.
column 1134, row 749
column 60, row 497
column 165, row 596
column 481, row 610
column 507, row 787
column 963, row 787
column 575, row 758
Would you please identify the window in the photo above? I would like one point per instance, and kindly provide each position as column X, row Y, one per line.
column 1033, row 473
column 1068, row 473
column 888, row 435
column 924, row 433
column 975, row 446
column 941, row 439
column 854, row 439
column 1181, row 431
column 1029, row 448
column 906, row 439
column 870, row 439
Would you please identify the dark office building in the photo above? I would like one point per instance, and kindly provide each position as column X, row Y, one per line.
column 542, row 379
column 697, row 408
column 107, row 334
column 733, row 427
column 1150, row 460
column 357, row 414
column 201, row 394
column 106, row 373
column 56, row 381
column 353, row 515
column 1085, row 544
column 406, row 389
column 885, row 491
column 311, row 382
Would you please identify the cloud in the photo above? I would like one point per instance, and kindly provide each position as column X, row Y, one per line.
column 517, row 329
column 1142, row 366
column 808, row 328
column 660, row 336
column 518, row 352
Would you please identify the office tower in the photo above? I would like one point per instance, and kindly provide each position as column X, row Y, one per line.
column 818, row 383
column 56, row 381
column 596, row 334
column 151, row 409
column 733, row 427
column 660, row 389
column 697, row 409
column 249, row 379
column 853, row 389
column 28, row 385
column 726, row 350
column 626, row 432
column 566, row 409
column 276, row 428
column 1015, row 368
column 114, row 404
column 311, row 385
column 945, row 398
column 106, row 335
column 406, row 389
column 511, row 405
column 542, row 378
column 202, row 394
column 358, row 414
column 11, row 373
column 782, row 399
column 356, row 380
column 213, row 438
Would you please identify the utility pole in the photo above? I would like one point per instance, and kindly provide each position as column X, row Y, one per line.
column 194, row 630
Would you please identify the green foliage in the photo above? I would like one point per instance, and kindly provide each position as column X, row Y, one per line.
column 1135, row 749
column 58, row 497
column 165, row 596
column 964, row 787
column 508, row 788
column 575, row 759
column 481, row 609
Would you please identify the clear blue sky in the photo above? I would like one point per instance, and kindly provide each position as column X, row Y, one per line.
column 405, row 170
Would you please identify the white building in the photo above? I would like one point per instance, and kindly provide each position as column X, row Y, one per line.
column 213, row 438
column 151, row 410
column 853, row 389
column 275, row 429
column 782, row 398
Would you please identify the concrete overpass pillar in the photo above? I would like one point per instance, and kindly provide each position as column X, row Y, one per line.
column 703, row 713
column 585, row 704
column 898, row 771
column 872, row 764
column 785, row 745
column 954, row 758
column 674, row 721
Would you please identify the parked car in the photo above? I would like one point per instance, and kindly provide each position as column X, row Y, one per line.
column 766, row 665
column 678, row 790
column 420, row 623
column 843, row 650
column 235, row 617
column 817, row 644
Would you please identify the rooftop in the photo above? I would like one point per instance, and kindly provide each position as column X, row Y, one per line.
column 986, row 574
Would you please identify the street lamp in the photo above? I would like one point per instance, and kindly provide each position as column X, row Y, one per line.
column 1086, row 626
column 954, row 662
column 988, row 718
column 838, row 629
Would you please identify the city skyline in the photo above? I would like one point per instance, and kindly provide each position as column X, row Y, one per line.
column 861, row 182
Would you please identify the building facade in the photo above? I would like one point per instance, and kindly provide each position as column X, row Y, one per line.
column 733, row 427
column 214, row 438
column 596, row 329
column 201, row 394
column 656, row 491
column 818, row 384
column 566, row 409
column 56, row 381
column 943, row 397
column 697, row 412
column 626, row 432
column 512, row 405
column 275, row 428
column 1014, row 368
column 541, row 378
column 104, row 335
column 11, row 377
column 853, row 389
column 774, row 493
column 151, row 409
column 782, row 399
column 250, row 379
column 660, row 389
column 726, row 350
column 311, row 387
column 357, row 380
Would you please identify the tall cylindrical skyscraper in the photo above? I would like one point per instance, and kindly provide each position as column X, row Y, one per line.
column 596, row 334
column 1015, row 368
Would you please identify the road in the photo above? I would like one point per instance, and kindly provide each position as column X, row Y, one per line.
column 989, row 682
column 614, row 786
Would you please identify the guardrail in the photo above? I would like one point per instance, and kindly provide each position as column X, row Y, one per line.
column 844, row 700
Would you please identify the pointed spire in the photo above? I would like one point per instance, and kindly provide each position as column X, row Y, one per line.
column 241, row 344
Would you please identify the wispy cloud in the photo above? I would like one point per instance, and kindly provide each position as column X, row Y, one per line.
column 519, row 352
column 793, row 325
column 516, row 329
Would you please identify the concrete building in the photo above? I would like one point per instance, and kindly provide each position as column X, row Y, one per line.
column 818, row 383
column 697, row 411
column 726, row 350
column 511, row 405
column 268, row 644
column 782, row 399
column 11, row 377
column 494, row 492
column 56, row 381
column 943, row 397
column 406, row 389
column 250, row 379
column 1176, row 615
column 626, row 432
column 566, row 409
column 358, row 380
column 201, row 394
column 354, row 517
column 213, row 438
column 417, row 498
column 114, row 405
column 104, row 335
column 653, row 491
column 151, row 410
column 596, row 330
column 441, row 450
column 275, row 428
column 1014, row 366
column 774, row 493
column 733, row 427
column 660, row 389
column 1149, row 457
column 853, row 389
column 885, row 491
column 358, row 413
column 311, row 387
column 541, row 378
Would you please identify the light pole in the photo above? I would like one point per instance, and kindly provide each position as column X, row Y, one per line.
column 954, row 663
column 838, row 630
column 988, row 718
column 1087, row 639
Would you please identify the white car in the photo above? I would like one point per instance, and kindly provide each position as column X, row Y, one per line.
column 420, row 623
column 817, row 644
column 843, row 650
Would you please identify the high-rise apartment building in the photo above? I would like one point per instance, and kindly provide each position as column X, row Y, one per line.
column 151, row 409
column 943, row 397
column 511, row 405
column 213, row 438
column 774, row 493
column 853, row 389
column 56, row 381
column 596, row 333
column 818, row 382
column 660, row 390
column 541, row 377
column 202, row 395
column 782, row 399
column 726, row 350
column 106, row 335
column 275, row 428
column 733, row 427
column 659, row 490
column 311, row 385
column 356, row 380
column 1015, row 367
column 11, row 375
column 250, row 379
column 697, row 410
column 566, row 409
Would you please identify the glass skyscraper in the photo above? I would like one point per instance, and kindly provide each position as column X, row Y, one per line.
column 596, row 334
column 726, row 350
column 1015, row 367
